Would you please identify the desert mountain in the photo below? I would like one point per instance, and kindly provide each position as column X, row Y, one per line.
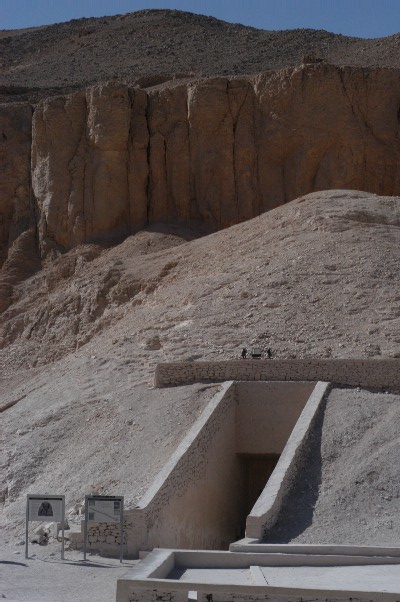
column 150, row 46
column 166, row 216
column 110, row 159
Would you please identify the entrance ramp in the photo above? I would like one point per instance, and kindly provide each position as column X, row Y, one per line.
column 206, row 490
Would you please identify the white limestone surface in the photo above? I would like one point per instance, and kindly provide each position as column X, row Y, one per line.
column 227, row 576
column 347, row 578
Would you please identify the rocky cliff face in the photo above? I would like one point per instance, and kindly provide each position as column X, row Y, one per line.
column 109, row 160
column 18, row 248
column 15, row 152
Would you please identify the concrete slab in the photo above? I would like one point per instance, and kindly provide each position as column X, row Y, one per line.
column 219, row 576
column 248, row 575
column 251, row 545
column 362, row 578
column 369, row 578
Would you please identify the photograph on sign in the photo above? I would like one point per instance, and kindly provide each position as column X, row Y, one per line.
column 104, row 511
column 45, row 509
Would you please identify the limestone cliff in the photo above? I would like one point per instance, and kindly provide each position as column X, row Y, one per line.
column 109, row 160
column 15, row 152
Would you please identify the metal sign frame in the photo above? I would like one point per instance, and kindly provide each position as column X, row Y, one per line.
column 46, row 518
column 105, row 498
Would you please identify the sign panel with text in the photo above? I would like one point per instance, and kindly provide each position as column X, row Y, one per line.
column 104, row 510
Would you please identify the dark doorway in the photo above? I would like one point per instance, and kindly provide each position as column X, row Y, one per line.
column 258, row 469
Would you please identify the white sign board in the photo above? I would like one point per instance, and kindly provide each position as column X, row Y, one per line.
column 47, row 509
column 104, row 511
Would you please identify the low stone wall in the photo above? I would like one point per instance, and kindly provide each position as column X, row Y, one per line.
column 266, row 510
column 374, row 373
column 156, row 595
column 104, row 538
column 184, row 507
column 159, row 577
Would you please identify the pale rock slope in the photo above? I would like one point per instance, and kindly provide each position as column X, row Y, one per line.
column 318, row 277
column 347, row 491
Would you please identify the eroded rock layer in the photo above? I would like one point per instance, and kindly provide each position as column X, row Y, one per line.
column 108, row 160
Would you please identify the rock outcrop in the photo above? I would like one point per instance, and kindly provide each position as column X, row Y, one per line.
column 15, row 152
column 110, row 160
column 18, row 248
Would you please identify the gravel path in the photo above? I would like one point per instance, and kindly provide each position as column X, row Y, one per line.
column 44, row 577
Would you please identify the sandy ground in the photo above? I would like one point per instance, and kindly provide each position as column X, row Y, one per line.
column 44, row 577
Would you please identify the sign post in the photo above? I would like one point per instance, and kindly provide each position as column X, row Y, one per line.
column 45, row 508
column 104, row 509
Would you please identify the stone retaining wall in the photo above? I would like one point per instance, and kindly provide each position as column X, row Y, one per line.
column 374, row 373
column 182, row 508
column 156, row 595
column 199, row 498
column 207, row 576
column 268, row 506
column 185, row 506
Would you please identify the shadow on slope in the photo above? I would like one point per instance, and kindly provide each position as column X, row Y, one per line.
column 298, row 510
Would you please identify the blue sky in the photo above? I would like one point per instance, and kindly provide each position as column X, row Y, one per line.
column 362, row 18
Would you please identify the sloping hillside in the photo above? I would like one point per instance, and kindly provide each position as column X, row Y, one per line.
column 317, row 277
column 347, row 490
column 151, row 46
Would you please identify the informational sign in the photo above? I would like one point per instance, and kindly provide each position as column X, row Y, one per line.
column 45, row 508
column 104, row 509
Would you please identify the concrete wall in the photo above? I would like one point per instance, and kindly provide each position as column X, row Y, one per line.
column 186, row 505
column 197, row 500
column 268, row 505
column 200, row 499
column 353, row 372
column 266, row 414
column 181, row 575
column 158, row 595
